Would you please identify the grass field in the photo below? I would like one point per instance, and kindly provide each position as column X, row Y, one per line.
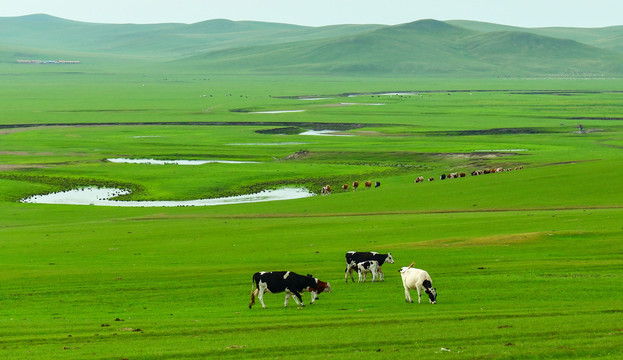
column 527, row 263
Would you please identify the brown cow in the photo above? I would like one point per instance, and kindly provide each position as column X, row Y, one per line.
column 355, row 185
column 345, row 187
column 326, row 190
column 419, row 179
column 368, row 184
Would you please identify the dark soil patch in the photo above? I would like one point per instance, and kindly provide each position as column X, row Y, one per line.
column 497, row 131
column 407, row 93
column 290, row 130
column 596, row 118
column 306, row 125
column 297, row 155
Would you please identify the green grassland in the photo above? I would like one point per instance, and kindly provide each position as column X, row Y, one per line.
column 527, row 263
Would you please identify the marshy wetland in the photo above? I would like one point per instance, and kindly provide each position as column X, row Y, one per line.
column 527, row 264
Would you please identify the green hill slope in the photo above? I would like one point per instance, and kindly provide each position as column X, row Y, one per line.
column 534, row 54
column 609, row 38
column 420, row 48
column 426, row 47
column 161, row 41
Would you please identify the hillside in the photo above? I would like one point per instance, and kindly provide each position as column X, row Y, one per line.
column 161, row 41
column 609, row 38
column 426, row 47
column 420, row 48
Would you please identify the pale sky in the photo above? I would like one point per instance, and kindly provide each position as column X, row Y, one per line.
column 524, row 13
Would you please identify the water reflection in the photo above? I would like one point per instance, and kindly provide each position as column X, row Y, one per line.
column 176, row 162
column 323, row 133
column 102, row 197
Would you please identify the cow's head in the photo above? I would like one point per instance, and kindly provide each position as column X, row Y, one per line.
column 323, row 286
column 389, row 259
column 430, row 291
column 432, row 295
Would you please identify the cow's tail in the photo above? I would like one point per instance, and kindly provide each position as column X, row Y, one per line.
column 254, row 291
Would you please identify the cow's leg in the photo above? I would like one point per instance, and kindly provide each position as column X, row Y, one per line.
column 298, row 295
column 293, row 297
column 253, row 295
column 349, row 271
column 314, row 296
column 381, row 275
column 285, row 304
column 408, row 295
column 419, row 295
column 373, row 276
column 262, row 288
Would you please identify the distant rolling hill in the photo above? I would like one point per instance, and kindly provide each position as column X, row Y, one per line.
column 425, row 48
column 420, row 48
column 609, row 38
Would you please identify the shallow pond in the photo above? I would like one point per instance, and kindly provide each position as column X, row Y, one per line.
column 175, row 162
column 323, row 133
column 102, row 197
column 276, row 112
column 269, row 144
column 501, row 150
column 363, row 104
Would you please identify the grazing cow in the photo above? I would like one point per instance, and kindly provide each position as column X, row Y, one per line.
column 419, row 179
column 321, row 287
column 442, row 177
column 431, row 179
column 326, row 190
column 462, row 174
column 377, row 184
column 355, row 185
column 280, row 281
column 365, row 267
column 345, row 187
column 353, row 258
column 368, row 184
column 420, row 280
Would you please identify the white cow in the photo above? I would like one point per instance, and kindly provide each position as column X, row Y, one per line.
column 420, row 280
column 365, row 267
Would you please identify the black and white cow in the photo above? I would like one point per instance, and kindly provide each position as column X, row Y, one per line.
column 280, row 281
column 353, row 258
column 365, row 267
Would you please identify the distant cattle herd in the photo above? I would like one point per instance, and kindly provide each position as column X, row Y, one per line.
column 326, row 190
column 456, row 175
column 364, row 263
